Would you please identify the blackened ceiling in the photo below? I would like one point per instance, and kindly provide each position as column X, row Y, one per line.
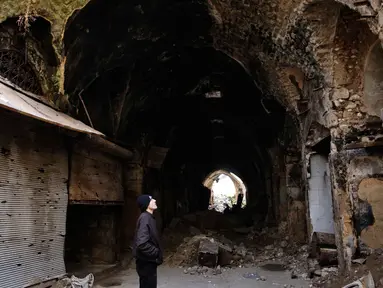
column 143, row 69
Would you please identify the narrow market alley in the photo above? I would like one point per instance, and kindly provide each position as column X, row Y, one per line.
column 256, row 125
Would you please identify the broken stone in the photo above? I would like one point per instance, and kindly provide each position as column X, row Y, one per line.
column 202, row 270
column 194, row 231
column 284, row 244
column 336, row 103
column 355, row 97
column 351, row 105
column 192, row 270
column 330, row 269
column 359, row 261
column 208, row 253
column 217, row 271
column 224, row 254
column 365, row 282
column 236, row 257
column 327, row 256
column 241, row 250
column 249, row 258
column 341, row 93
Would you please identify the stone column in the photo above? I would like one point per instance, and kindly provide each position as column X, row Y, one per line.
column 344, row 230
column 133, row 174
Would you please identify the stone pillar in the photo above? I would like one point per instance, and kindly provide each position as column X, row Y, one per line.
column 296, row 203
column 344, row 230
column 133, row 175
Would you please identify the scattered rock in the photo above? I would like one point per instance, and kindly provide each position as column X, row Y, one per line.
column 241, row 250
column 341, row 93
column 194, row 231
column 318, row 273
column 208, row 253
column 217, row 270
column 225, row 255
column 284, row 244
column 359, row 261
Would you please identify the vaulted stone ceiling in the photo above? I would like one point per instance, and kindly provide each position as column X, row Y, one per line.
column 125, row 45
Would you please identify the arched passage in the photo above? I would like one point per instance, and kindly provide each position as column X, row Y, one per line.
column 156, row 89
column 227, row 190
column 373, row 80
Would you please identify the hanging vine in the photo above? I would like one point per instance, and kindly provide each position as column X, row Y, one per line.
column 25, row 20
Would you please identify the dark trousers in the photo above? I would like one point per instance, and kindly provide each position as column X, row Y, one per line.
column 147, row 271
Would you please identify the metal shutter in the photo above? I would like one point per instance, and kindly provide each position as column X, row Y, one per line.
column 33, row 202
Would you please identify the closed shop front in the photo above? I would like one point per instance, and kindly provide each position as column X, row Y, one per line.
column 41, row 172
column 33, row 201
column 96, row 199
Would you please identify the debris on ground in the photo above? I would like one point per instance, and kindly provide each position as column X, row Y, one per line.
column 75, row 282
column 368, row 266
column 208, row 252
column 364, row 282
column 210, row 243
column 219, row 240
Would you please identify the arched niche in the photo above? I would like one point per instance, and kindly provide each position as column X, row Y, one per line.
column 373, row 80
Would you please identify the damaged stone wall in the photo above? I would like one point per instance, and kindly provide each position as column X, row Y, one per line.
column 323, row 45
column 365, row 186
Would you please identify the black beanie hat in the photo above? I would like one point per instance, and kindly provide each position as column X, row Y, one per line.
column 143, row 202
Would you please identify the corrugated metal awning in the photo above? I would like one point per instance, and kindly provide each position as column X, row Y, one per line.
column 14, row 100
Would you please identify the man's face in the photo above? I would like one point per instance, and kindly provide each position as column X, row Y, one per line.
column 152, row 204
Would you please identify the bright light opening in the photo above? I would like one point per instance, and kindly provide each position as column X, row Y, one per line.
column 213, row 94
column 228, row 192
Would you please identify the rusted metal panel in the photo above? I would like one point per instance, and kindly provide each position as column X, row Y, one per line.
column 94, row 176
column 16, row 101
column 33, row 203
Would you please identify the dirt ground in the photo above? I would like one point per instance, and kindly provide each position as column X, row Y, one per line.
column 175, row 278
column 245, row 257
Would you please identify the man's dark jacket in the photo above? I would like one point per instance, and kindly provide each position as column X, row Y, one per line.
column 147, row 246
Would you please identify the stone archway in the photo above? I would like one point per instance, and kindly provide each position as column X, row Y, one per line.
column 239, row 188
column 373, row 80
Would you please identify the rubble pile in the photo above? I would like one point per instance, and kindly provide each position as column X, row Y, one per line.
column 199, row 250
column 366, row 271
column 210, row 243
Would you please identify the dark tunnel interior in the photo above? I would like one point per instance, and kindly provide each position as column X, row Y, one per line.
column 148, row 82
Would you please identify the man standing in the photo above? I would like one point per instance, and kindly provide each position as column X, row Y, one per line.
column 147, row 249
